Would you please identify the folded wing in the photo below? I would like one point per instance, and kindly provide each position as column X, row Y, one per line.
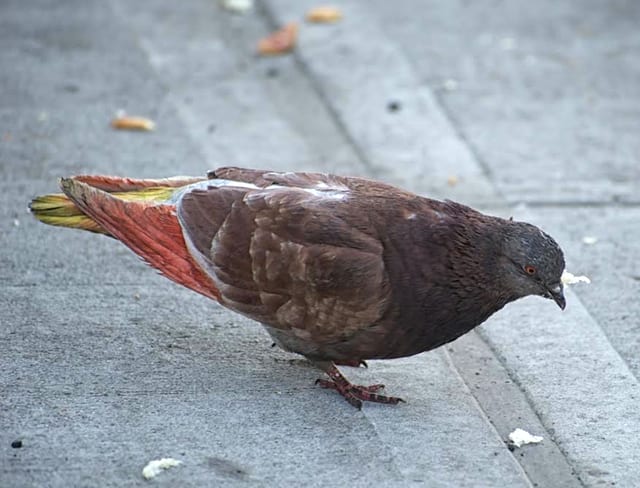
column 283, row 255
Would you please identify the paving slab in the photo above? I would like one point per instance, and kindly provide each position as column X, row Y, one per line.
column 413, row 145
column 112, row 399
column 610, row 257
column 543, row 92
column 581, row 388
column 111, row 365
column 148, row 377
column 242, row 110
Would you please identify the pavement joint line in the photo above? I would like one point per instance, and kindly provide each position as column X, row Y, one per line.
column 459, row 132
column 484, row 335
column 270, row 19
column 577, row 298
column 548, row 436
column 149, row 52
column 485, row 415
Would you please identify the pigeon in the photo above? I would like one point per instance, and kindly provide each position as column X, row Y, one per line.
column 337, row 269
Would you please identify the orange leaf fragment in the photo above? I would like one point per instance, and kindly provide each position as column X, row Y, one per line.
column 133, row 123
column 324, row 14
column 279, row 42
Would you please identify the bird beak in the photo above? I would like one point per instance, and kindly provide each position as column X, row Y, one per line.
column 556, row 294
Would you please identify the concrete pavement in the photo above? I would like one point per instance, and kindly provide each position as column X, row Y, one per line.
column 534, row 108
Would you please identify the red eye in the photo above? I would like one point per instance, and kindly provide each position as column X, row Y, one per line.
column 530, row 269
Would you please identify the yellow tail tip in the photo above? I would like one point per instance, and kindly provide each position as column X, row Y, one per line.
column 59, row 210
column 56, row 209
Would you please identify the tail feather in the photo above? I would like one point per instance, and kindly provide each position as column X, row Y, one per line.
column 149, row 229
column 113, row 184
column 57, row 209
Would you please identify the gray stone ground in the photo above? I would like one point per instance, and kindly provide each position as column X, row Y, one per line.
column 533, row 106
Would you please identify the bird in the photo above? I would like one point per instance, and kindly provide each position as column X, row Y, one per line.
column 338, row 269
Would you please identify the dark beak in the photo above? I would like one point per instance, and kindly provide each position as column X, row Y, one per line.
column 556, row 294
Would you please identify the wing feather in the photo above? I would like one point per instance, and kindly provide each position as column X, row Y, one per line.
column 284, row 256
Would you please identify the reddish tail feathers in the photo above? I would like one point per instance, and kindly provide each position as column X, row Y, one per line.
column 151, row 231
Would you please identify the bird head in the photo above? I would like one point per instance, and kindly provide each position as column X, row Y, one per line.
column 534, row 262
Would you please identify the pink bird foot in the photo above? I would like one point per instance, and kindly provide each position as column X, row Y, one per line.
column 355, row 394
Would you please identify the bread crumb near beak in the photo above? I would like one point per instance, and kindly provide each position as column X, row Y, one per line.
column 153, row 468
column 571, row 279
column 237, row 6
column 520, row 437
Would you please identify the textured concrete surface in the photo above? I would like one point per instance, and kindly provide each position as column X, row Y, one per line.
column 533, row 107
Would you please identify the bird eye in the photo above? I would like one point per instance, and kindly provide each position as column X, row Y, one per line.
column 530, row 270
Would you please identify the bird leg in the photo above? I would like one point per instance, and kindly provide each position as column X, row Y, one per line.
column 354, row 394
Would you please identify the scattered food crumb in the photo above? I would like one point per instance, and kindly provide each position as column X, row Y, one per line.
column 16, row 223
column 394, row 106
column 136, row 296
column 279, row 42
column 589, row 240
column 452, row 180
column 570, row 279
column 520, row 437
column 450, row 85
column 237, row 6
column 124, row 122
column 17, row 444
column 324, row 14
column 153, row 468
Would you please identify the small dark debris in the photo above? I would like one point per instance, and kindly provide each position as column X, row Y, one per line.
column 17, row 444
column 511, row 447
column 211, row 128
column 227, row 468
column 394, row 106
column 272, row 72
column 71, row 88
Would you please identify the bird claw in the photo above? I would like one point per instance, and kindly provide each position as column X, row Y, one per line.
column 332, row 386
column 355, row 394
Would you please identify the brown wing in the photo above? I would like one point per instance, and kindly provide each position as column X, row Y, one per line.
column 320, row 181
column 284, row 257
